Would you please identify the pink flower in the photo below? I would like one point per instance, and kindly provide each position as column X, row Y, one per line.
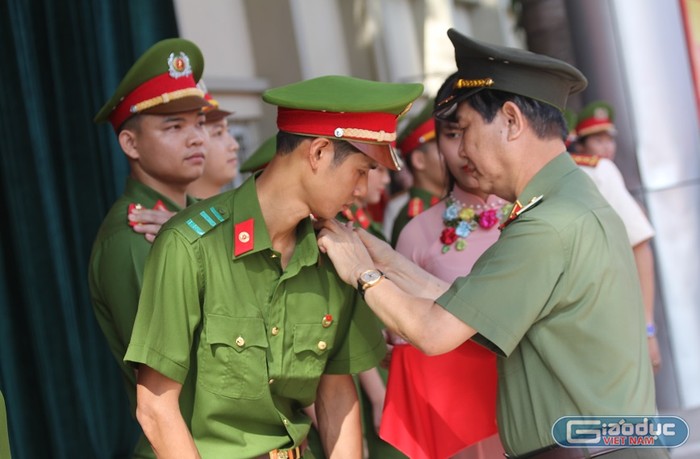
column 488, row 218
column 448, row 236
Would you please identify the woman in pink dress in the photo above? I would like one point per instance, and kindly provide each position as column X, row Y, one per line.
column 445, row 406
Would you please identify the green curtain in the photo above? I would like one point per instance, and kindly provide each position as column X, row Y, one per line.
column 59, row 62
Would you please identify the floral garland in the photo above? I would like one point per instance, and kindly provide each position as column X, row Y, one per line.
column 460, row 220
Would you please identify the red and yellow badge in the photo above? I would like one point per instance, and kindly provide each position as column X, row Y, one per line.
column 415, row 206
column 132, row 207
column 243, row 240
column 519, row 209
column 585, row 160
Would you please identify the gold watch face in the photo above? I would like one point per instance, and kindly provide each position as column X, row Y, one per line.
column 370, row 277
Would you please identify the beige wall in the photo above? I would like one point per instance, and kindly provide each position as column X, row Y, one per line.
column 250, row 45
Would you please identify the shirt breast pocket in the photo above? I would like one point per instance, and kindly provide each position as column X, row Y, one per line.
column 312, row 347
column 233, row 357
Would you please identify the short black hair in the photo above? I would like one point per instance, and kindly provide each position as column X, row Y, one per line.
column 133, row 123
column 287, row 142
column 546, row 120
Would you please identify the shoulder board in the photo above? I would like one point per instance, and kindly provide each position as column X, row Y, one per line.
column 201, row 223
column 585, row 160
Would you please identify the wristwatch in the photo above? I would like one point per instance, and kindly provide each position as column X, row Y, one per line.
column 368, row 279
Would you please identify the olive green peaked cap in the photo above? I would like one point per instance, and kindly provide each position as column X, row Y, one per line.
column 336, row 93
column 361, row 112
column 163, row 80
column 260, row 157
column 485, row 66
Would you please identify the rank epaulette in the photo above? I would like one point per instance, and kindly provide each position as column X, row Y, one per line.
column 585, row 160
column 200, row 224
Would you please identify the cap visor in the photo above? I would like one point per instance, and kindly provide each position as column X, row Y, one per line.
column 446, row 109
column 215, row 115
column 186, row 104
column 384, row 154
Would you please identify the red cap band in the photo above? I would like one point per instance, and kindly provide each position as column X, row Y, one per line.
column 423, row 133
column 161, row 86
column 365, row 127
column 593, row 125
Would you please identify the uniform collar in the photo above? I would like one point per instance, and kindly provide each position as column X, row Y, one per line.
column 148, row 197
column 245, row 210
column 425, row 195
column 544, row 180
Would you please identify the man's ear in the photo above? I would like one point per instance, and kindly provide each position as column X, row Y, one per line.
column 128, row 142
column 418, row 160
column 320, row 150
column 515, row 120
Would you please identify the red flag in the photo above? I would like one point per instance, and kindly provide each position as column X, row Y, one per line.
column 437, row 406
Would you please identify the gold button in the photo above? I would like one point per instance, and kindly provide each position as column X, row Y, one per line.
column 240, row 341
column 244, row 236
column 271, row 381
column 275, row 331
column 285, row 422
column 322, row 345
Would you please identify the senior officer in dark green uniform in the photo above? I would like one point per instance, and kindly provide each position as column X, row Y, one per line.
column 241, row 322
column 557, row 296
column 156, row 113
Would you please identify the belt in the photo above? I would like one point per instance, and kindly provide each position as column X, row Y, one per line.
column 294, row 453
column 558, row 452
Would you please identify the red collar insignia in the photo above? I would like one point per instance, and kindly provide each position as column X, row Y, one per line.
column 243, row 237
column 158, row 206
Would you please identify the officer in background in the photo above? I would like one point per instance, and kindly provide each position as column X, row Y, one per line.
column 221, row 166
column 559, row 279
column 242, row 322
column 420, row 153
column 157, row 114
column 596, row 146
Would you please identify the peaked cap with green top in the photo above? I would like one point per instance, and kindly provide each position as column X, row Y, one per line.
column 162, row 81
column 361, row 112
column 260, row 157
column 597, row 116
column 419, row 129
column 482, row 65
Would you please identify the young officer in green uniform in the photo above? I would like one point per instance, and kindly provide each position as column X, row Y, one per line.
column 242, row 322
column 419, row 148
column 557, row 297
column 156, row 113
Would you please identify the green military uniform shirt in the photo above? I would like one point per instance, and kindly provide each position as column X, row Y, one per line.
column 558, row 299
column 248, row 340
column 115, row 273
column 4, row 436
column 418, row 201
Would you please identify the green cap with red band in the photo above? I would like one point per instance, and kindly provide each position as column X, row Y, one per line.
column 361, row 112
column 162, row 81
column 215, row 112
column 419, row 130
column 260, row 157
column 598, row 116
